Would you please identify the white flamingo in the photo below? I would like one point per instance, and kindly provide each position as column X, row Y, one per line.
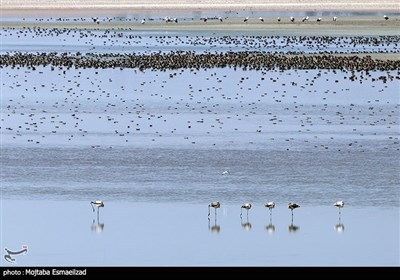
column 339, row 204
column 215, row 205
column 293, row 206
column 246, row 206
column 270, row 205
column 97, row 203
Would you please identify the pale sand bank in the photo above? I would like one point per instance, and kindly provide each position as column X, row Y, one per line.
column 271, row 5
column 344, row 26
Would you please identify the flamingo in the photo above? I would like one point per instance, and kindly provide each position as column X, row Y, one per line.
column 339, row 204
column 97, row 203
column 270, row 206
column 215, row 205
column 293, row 206
column 246, row 206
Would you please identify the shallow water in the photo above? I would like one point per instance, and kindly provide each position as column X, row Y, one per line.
column 179, row 234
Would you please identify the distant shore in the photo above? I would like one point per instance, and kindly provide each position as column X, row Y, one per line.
column 74, row 6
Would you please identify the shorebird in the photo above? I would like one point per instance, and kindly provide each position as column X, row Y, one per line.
column 261, row 19
column 385, row 17
column 97, row 203
column 226, row 172
column 278, row 19
column 215, row 205
column 143, row 21
column 292, row 19
column 339, row 204
column 220, row 19
column 292, row 206
column 334, row 18
column 246, row 19
column 305, row 19
column 319, row 19
column 270, row 206
column 246, row 206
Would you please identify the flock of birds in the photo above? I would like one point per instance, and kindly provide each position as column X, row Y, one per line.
column 216, row 204
column 99, row 227
column 168, row 19
column 270, row 205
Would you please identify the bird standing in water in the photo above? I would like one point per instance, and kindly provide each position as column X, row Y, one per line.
column 339, row 204
column 293, row 206
column 246, row 206
column 97, row 203
column 215, row 205
column 270, row 206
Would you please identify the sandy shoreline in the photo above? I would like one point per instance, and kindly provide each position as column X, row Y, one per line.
column 73, row 6
column 345, row 26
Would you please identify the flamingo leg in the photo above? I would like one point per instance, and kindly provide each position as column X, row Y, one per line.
column 91, row 204
column 208, row 210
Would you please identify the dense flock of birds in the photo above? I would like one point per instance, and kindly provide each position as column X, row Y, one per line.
column 169, row 19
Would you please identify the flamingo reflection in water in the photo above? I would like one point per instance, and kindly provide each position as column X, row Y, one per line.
column 96, row 225
column 215, row 228
column 246, row 225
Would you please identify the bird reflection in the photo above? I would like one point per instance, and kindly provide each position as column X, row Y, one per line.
column 270, row 227
column 247, row 224
column 293, row 228
column 215, row 228
column 96, row 225
column 339, row 227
